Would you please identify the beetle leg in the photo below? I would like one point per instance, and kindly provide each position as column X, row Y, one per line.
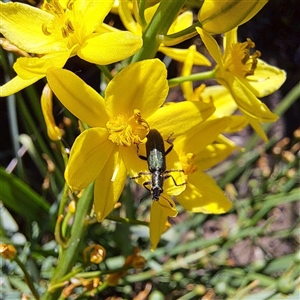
column 145, row 185
column 170, row 176
column 170, row 143
column 140, row 175
column 140, row 156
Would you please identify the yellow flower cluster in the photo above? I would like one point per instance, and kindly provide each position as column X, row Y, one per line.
column 118, row 122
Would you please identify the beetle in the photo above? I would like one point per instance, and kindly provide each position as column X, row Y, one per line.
column 156, row 160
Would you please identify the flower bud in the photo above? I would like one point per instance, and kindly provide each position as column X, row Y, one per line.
column 95, row 254
column 53, row 131
column 218, row 16
column 8, row 251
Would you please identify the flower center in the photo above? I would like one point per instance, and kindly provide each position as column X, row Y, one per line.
column 187, row 162
column 127, row 130
column 239, row 61
column 61, row 26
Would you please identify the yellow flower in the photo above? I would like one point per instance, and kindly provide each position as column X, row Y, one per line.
column 120, row 121
column 218, row 16
column 245, row 76
column 134, row 24
column 57, row 32
column 222, row 99
column 202, row 193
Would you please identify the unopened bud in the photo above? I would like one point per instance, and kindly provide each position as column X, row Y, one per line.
column 8, row 251
column 218, row 16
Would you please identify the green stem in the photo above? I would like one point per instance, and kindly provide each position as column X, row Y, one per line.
column 158, row 27
column 192, row 77
column 106, row 72
column 179, row 37
column 288, row 100
column 142, row 7
column 28, row 278
column 69, row 255
column 64, row 196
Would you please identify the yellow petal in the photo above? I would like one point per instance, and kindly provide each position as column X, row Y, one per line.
column 203, row 195
column 187, row 86
column 230, row 38
column 17, row 84
column 177, row 118
column 31, row 67
column 226, row 141
column 53, row 131
column 257, row 127
column 110, row 47
column 109, row 185
column 237, row 123
column 150, row 11
column 222, row 99
column 212, row 46
column 158, row 217
column 212, row 155
column 89, row 15
column 127, row 18
column 221, row 16
column 207, row 131
column 133, row 163
column 266, row 79
column 142, row 85
column 180, row 55
column 182, row 22
column 22, row 25
column 175, row 184
column 245, row 99
column 89, row 154
column 83, row 101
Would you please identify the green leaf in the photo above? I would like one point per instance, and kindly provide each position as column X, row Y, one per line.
column 20, row 198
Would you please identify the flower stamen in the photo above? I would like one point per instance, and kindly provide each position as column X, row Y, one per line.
column 65, row 27
column 54, row 8
column 239, row 61
column 45, row 29
column 188, row 164
column 126, row 131
column 70, row 4
column 70, row 26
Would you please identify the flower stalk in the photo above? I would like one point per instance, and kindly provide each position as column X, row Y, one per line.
column 157, row 28
column 192, row 77
column 69, row 254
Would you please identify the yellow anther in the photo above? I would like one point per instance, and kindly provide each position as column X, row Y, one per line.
column 70, row 26
column 187, row 162
column 70, row 4
column 240, row 61
column 64, row 32
column 45, row 29
column 126, row 131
